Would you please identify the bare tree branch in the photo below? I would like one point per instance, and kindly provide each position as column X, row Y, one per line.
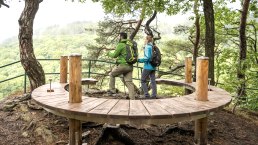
column 150, row 31
column 136, row 29
column 177, row 67
column 2, row 3
column 147, row 29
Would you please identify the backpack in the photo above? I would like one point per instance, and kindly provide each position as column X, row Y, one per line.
column 156, row 56
column 131, row 52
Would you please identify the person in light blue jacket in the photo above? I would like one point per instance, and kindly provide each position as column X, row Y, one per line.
column 148, row 69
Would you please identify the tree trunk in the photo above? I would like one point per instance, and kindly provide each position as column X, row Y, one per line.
column 136, row 29
column 209, row 36
column 197, row 36
column 29, row 62
column 147, row 29
column 242, row 53
column 138, row 26
column 116, row 132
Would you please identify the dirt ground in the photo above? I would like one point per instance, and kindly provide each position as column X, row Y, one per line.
column 23, row 123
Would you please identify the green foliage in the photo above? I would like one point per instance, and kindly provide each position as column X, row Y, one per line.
column 227, row 49
column 170, row 91
column 49, row 43
column 132, row 7
column 175, row 52
column 227, row 62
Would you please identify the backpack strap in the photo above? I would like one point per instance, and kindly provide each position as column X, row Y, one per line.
column 150, row 44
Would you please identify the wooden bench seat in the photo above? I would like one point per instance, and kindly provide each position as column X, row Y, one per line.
column 89, row 81
column 137, row 112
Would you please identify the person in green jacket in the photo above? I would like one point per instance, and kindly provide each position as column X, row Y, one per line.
column 122, row 67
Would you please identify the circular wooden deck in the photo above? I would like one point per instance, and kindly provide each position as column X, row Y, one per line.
column 137, row 112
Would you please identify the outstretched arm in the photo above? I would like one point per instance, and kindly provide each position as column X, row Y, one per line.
column 117, row 52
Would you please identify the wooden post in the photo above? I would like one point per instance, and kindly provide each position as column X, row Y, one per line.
column 75, row 96
column 202, row 79
column 200, row 132
column 75, row 76
column 75, row 132
column 188, row 73
column 188, row 69
column 63, row 69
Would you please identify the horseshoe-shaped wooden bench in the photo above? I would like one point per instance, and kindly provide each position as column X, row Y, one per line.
column 136, row 112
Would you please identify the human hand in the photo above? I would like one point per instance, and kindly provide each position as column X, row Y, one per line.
column 140, row 60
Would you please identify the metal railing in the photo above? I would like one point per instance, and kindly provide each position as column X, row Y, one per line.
column 88, row 73
column 23, row 74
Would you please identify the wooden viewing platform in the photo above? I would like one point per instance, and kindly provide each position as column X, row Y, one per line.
column 196, row 106
column 137, row 112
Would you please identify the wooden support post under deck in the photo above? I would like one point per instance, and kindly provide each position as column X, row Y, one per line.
column 188, row 73
column 75, row 132
column 75, row 96
column 63, row 69
column 200, row 132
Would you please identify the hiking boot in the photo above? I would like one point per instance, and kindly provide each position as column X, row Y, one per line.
column 110, row 92
column 142, row 97
column 127, row 97
column 137, row 96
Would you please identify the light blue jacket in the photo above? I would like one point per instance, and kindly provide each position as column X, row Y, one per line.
column 147, row 57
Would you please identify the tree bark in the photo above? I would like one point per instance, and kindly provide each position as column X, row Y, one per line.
column 116, row 132
column 139, row 23
column 209, row 36
column 242, row 46
column 197, row 36
column 147, row 29
column 29, row 62
column 136, row 29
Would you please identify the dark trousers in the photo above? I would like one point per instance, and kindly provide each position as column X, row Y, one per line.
column 151, row 74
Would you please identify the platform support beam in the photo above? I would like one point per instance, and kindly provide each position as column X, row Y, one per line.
column 75, row 96
column 200, row 131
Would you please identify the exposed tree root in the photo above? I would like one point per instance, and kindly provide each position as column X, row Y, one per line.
column 116, row 133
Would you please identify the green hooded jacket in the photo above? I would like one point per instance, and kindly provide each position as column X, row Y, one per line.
column 120, row 52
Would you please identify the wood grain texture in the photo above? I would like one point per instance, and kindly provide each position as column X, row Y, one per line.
column 170, row 107
column 63, row 69
column 105, row 107
column 137, row 109
column 188, row 70
column 155, row 110
column 200, row 131
column 121, row 108
column 202, row 78
column 138, row 112
column 75, row 132
column 89, row 81
column 75, row 87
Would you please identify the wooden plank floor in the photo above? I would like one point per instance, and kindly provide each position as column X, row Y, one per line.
column 156, row 111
